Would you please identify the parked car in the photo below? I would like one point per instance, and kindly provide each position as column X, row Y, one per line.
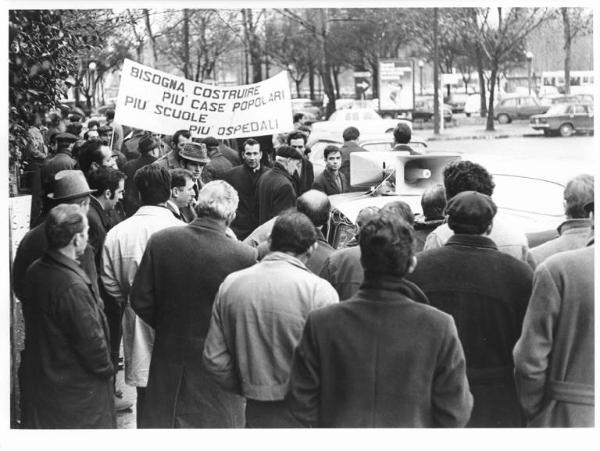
column 571, row 98
column 307, row 107
column 367, row 120
column 457, row 102
column 565, row 119
column 533, row 204
column 424, row 110
column 518, row 107
column 473, row 104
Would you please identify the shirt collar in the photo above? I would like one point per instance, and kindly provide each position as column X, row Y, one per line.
column 153, row 210
column 284, row 257
column 173, row 207
column 459, row 239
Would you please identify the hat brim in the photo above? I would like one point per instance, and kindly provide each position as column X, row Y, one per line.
column 71, row 196
column 197, row 160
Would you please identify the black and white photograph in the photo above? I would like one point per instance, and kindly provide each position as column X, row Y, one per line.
column 372, row 220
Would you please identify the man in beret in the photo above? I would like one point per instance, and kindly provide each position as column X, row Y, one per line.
column 554, row 358
column 486, row 291
column 148, row 149
column 218, row 165
column 275, row 189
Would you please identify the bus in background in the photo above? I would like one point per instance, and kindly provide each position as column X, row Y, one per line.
column 582, row 81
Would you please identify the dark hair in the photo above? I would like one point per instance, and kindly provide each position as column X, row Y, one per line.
column 386, row 244
column 578, row 192
column 110, row 114
column 153, row 183
column 147, row 143
column 402, row 133
column 249, row 142
column 329, row 150
column 93, row 123
column 400, row 209
column 178, row 134
column 179, row 177
column 292, row 232
column 76, row 149
column 90, row 153
column 105, row 130
column 315, row 205
column 462, row 176
column 296, row 135
column 433, row 202
column 350, row 134
column 298, row 117
column 62, row 223
column 103, row 179
column 86, row 135
column 74, row 128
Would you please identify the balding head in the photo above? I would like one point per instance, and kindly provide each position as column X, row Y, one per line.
column 314, row 204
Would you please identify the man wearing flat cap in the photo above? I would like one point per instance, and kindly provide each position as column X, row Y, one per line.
column 554, row 358
column 148, row 149
column 218, row 165
column 275, row 189
column 486, row 291
column 194, row 158
column 70, row 187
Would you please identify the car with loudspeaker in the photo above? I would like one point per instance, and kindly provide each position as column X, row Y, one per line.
column 532, row 204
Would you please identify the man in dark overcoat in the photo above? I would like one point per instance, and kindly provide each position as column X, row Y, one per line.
column 173, row 292
column 486, row 291
column 275, row 189
column 331, row 180
column 380, row 359
column 218, row 164
column 244, row 179
column 67, row 364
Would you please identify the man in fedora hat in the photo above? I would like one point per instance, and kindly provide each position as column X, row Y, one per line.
column 486, row 291
column 194, row 157
column 66, row 364
column 275, row 189
column 70, row 187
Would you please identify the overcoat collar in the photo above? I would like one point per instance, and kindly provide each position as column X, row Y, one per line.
column 387, row 287
column 204, row 222
column 70, row 264
column 459, row 239
column 95, row 204
column 282, row 256
column 572, row 225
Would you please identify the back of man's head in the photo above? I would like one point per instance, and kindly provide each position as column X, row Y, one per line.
column 350, row 134
column 578, row 192
column 292, row 233
column 471, row 213
column 153, row 183
column 402, row 133
column 180, row 177
column 110, row 114
column 463, row 175
column 365, row 214
column 90, row 152
column 315, row 205
column 386, row 245
column 433, row 202
column 298, row 117
column 147, row 143
column 217, row 200
column 62, row 223
column 400, row 209
column 103, row 179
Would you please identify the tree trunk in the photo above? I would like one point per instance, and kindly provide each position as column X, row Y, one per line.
column 253, row 45
column 567, row 48
column 336, row 81
column 311, row 80
column 186, row 43
column 490, row 117
column 151, row 36
column 298, row 83
column 325, row 67
column 375, row 78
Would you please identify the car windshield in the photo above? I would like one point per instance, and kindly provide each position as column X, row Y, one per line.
column 559, row 108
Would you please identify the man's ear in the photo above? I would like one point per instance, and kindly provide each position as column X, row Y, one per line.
column 94, row 166
column 311, row 249
column 412, row 264
column 107, row 194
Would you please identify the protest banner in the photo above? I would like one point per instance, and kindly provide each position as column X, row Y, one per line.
column 153, row 100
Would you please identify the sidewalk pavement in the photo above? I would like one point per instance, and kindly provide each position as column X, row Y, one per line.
column 474, row 128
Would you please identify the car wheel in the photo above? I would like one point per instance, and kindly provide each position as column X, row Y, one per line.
column 566, row 130
column 503, row 118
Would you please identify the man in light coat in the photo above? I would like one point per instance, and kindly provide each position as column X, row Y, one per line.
column 575, row 231
column 123, row 249
column 257, row 321
column 554, row 358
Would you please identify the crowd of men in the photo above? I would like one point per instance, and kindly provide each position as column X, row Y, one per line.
column 212, row 269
